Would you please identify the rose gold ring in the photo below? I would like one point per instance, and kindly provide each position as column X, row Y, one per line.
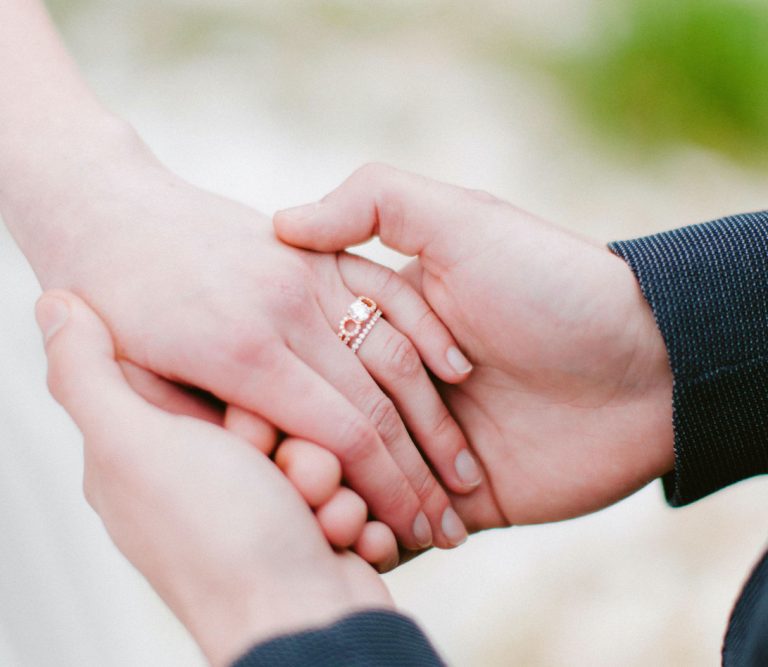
column 355, row 326
column 365, row 331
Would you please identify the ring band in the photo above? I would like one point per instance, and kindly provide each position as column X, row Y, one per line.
column 366, row 330
column 360, row 318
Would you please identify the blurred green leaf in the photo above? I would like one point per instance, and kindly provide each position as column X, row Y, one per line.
column 661, row 72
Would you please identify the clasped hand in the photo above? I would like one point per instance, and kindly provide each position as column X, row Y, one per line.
column 567, row 409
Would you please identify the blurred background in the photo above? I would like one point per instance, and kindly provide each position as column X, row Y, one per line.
column 615, row 119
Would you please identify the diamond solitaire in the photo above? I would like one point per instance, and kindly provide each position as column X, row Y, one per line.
column 358, row 313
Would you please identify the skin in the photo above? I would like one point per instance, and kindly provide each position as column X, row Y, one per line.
column 200, row 511
column 569, row 406
column 314, row 471
column 197, row 290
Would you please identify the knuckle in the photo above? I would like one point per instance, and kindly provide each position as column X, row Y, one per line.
column 385, row 419
column 400, row 498
column 428, row 323
column 388, row 282
column 402, row 356
column 290, row 295
column 424, row 483
column 372, row 172
column 251, row 349
column 381, row 183
column 358, row 440
column 445, row 426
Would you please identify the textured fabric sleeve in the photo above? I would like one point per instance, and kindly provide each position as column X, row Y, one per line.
column 708, row 288
column 366, row 639
column 746, row 642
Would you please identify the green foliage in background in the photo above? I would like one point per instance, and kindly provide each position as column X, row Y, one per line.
column 661, row 72
column 651, row 75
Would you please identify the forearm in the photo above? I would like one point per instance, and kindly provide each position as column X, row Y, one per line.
column 52, row 127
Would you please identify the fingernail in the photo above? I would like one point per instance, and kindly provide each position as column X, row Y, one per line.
column 421, row 531
column 51, row 314
column 467, row 468
column 453, row 527
column 458, row 361
column 298, row 213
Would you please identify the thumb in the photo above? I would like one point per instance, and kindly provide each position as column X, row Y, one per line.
column 412, row 214
column 83, row 375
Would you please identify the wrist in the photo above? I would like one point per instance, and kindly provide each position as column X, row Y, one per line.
column 47, row 189
column 650, row 382
column 223, row 636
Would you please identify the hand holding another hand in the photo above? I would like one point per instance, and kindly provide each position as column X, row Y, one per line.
column 569, row 405
column 215, row 526
column 196, row 289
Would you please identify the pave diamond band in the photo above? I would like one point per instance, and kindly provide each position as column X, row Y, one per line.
column 360, row 318
column 366, row 330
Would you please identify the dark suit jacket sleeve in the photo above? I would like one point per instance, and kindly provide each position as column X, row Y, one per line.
column 365, row 639
column 708, row 288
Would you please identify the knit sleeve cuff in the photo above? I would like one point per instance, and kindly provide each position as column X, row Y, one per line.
column 708, row 288
column 366, row 639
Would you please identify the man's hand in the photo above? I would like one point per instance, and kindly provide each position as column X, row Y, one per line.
column 213, row 524
column 569, row 405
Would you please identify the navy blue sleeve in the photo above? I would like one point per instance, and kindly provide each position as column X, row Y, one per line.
column 746, row 642
column 708, row 288
column 365, row 639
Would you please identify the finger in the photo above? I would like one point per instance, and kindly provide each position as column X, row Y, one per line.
column 313, row 470
column 171, row 397
column 316, row 474
column 394, row 363
column 410, row 213
column 83, row 374
column 342, row 517
column 315, row 410
column 252, row 428
column 378, row 546
column 335, row 362
column 175, row 399
column 409, row 313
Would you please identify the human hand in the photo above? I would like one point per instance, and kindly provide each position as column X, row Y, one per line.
column 569, row 404
column 196, row 289
column 208, row 519
column 314, row 471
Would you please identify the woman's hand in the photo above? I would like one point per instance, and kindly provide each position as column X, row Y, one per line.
column 213, row 524
column 196, row 289
column 569, row 405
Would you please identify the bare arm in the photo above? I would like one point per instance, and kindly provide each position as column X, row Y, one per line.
column 195, row 288
column 51, row 127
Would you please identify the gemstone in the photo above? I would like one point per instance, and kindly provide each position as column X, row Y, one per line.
column 359, row 311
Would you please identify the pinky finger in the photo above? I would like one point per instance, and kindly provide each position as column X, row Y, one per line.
column 378, row 546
